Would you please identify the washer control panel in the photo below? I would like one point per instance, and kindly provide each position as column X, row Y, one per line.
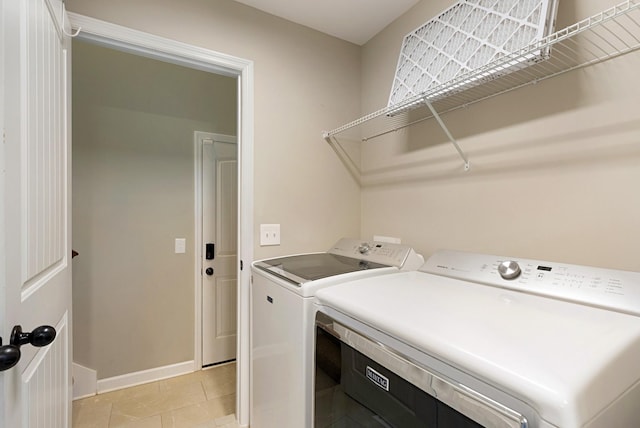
column 385, row 253
column 606, row 288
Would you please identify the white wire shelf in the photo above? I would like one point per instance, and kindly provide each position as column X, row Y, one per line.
column 606, row 35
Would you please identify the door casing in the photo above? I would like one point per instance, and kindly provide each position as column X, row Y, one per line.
column 144, row 44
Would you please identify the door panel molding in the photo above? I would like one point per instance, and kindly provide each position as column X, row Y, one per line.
column 45, row 380
column 225, row 326
column 44, row 196
column 227, row 242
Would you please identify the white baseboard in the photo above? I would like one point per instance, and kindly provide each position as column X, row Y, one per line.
column 84, row 382
column 145, row 376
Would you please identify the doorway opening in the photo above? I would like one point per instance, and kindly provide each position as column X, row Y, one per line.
column 149, row 46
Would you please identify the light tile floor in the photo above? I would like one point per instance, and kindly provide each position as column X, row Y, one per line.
column 203, row 399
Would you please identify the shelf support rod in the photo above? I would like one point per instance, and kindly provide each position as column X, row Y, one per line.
column 344, row 157
column 446, row 131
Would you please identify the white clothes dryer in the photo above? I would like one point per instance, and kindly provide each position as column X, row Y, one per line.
column 282, row 321
column 472, row 340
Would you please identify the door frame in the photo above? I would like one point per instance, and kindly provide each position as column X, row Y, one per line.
column 151, row 46
column 199, row 244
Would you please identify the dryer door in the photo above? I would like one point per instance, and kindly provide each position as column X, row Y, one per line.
column 360, row 382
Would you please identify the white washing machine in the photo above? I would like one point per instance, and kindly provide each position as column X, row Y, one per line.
column 282, row 321
column 473, row 341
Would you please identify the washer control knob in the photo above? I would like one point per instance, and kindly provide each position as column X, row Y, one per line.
column 509, row 269
column 364, row 248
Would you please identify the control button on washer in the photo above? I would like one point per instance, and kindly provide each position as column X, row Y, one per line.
column 364, row 248
column 509, row 269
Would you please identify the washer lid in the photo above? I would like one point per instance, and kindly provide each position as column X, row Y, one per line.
column 567, row 361
column 303, row 268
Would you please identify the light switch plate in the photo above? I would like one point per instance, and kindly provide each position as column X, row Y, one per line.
column 269, row 234
column 180, row 245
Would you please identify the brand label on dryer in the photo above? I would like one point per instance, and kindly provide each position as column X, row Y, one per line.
column 377, row 378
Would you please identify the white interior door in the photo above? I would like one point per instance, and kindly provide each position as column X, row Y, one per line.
column 35, row 232
column 220, row 247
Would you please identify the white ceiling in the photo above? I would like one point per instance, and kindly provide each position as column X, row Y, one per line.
column 353, row 20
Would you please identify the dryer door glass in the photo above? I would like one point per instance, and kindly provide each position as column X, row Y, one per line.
column 380, row 389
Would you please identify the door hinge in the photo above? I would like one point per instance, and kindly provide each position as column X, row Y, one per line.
column 241, row 265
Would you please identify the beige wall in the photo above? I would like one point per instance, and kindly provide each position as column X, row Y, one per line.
column 133, row 194
column 305, row 82
column 555, row 167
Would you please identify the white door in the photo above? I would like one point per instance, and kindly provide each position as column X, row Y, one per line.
column 35, row 232
column 220, row 247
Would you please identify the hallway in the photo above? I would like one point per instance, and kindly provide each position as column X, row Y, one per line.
column 203, row 399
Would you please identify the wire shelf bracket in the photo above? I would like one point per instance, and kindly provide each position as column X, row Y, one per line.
column 438, row 119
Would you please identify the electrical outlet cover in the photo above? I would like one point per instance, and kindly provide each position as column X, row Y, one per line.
column 269, row 234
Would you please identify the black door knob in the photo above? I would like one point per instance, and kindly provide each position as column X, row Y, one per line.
column 209, row 271
column 40, row 336
column 9, row 356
